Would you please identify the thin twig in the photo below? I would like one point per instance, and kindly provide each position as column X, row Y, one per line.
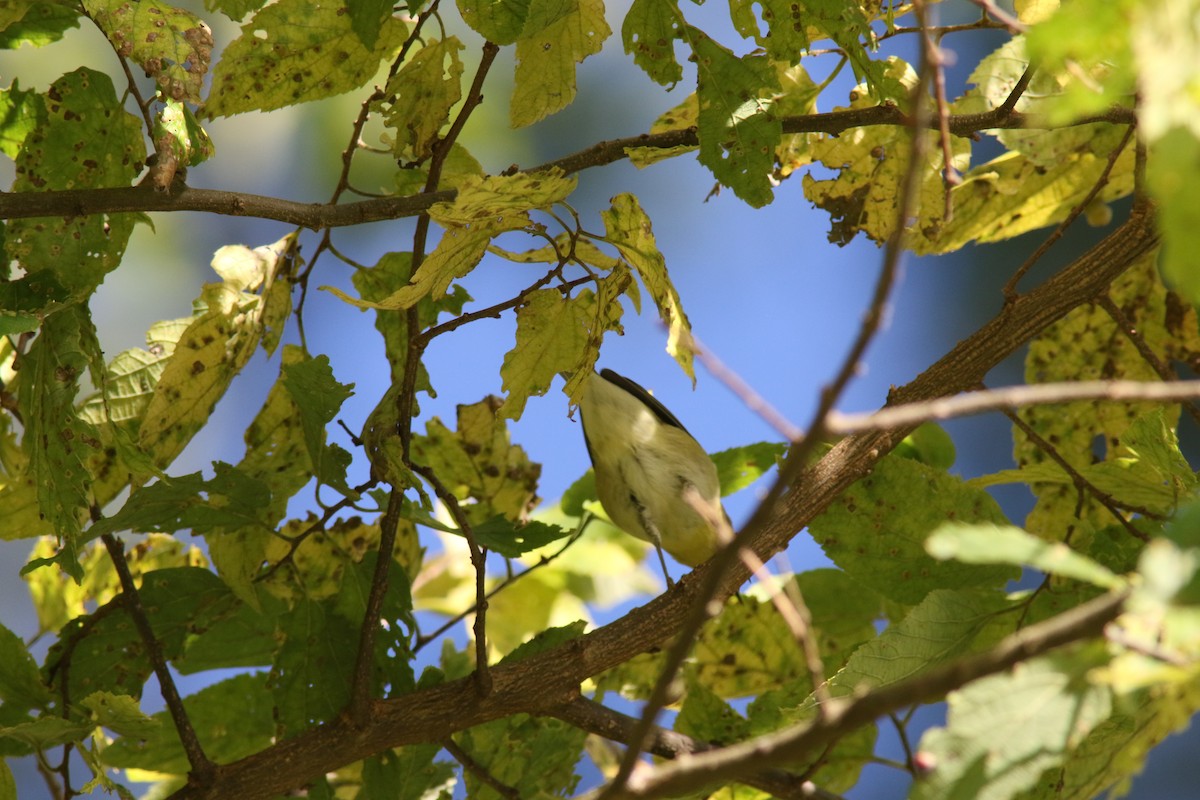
column 425, row 639
column 1082, row 485
column 200, row 765
column 475, row 768
column 1010, row 287
column 794, row 612
column 294, row 542
column 364, row 665
column 1013, row 24
column 590, row 716
column 483, row 679
column 754, row 401
column 937, row 61
column 1127, row 327
column 1012, row 397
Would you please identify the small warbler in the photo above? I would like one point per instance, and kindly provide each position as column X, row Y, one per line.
column 654, row 480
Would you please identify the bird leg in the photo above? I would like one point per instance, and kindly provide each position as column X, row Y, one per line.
column 652, row 531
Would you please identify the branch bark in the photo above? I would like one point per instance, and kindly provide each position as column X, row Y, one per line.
column 316, row 216
column 540, row 684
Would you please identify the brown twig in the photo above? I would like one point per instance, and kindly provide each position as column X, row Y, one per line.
column 201, row 766
column 977, row 402
column 1127, row 327
column 318, row 525
column 1082, row 485
column 744, row 391
column 483, row 679
column 590, row 716
column 425, row 639
column 1010, row 287
column 475, row 768
column 1013, row 24
column 936, row 60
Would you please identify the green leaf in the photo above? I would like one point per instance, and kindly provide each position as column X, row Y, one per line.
column 294, row 51
column 214, row 348
column 479, row 462
column 648, row 33
column 738, row 132
column 929, row 444
column 420, row 97
column 498, row 22
column 46, row 732
column 535, row 756
column 738, row 467
column 230, row 498
column 1170, row 173
column 318, row 398
column 276, row 457
column 19, row 116
column 557, row 35
column 708, row 718
column 628, row 228
column 119, row 713
column 997, row 75
column 996, row 544
column 1005, row 730
column 178, row 132
column 393, row 670
column 407, row 773
column 107, row 653
column 512, row 541
column 56, row 441
column 547, row 640
column 86, row 140
column 944, row 626
column 1088, row 345
column 1093, row 42
column 312, row 673
column 552, row 333
column 130, row 378
column 36, row 22
column 876, row 531
column 367, row 19
column 21, row 684
column 241, row 703
column 746, row 650
column 484, row 208
column 171, row 45
column 578, row 493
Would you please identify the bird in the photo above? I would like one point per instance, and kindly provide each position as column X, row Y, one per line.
column 653, row 478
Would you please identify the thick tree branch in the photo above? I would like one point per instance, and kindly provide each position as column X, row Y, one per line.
column 541, row 683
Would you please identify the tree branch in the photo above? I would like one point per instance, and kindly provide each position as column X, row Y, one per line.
column 179, row 197
column 792, row 744
column 197, row 760
column 590, row 716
